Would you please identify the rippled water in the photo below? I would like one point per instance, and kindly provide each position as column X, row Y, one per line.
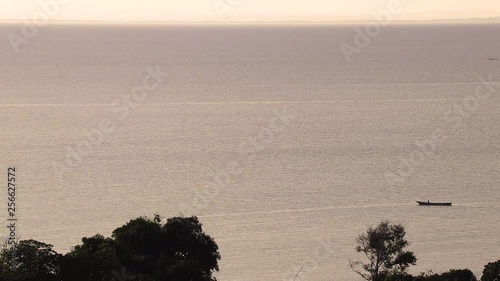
column 269, row 134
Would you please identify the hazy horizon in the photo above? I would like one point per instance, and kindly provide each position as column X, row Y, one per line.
column 247, row 11
column 306, row 22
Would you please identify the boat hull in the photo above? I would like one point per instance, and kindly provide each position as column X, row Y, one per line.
column 433, row 204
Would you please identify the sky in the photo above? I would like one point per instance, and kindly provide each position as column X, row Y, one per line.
column 244, row 10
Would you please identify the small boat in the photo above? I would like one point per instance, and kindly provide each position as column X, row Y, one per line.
column 493, row 58
column 433, row 204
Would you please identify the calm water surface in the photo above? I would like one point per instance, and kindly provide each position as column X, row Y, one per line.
column 312, row 137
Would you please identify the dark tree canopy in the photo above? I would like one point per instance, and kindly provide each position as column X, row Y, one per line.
column 94, row 260
column 142, row 249
column 30, row 260
column 451, row 275
column 188, row 242
column 491, row 271
column 383, row 246
column 178, row 250
column 147, row 250
column 459, row 275
column 140, row 243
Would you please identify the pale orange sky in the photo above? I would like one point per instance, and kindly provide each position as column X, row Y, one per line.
column 247, row 10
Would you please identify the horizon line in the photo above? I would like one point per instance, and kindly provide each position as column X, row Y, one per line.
column 263, row 22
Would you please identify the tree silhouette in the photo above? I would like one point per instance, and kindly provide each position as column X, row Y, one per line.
column 491, row 271
column 178, row 250
column 383, row 246
column 30, row 260
column 146, row 250
column 94, row 260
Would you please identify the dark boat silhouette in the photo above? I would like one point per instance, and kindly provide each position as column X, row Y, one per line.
column 433, row 203
column 492, row 58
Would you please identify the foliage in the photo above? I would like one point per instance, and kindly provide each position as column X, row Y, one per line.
column 94, row 260
column 141, row 249
column 30, row 260
column 140, row 244
column 383, row 246
column 491, row 271
column 459, row 275
column 451, row 275
column 188, row 242
column 178, row 250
